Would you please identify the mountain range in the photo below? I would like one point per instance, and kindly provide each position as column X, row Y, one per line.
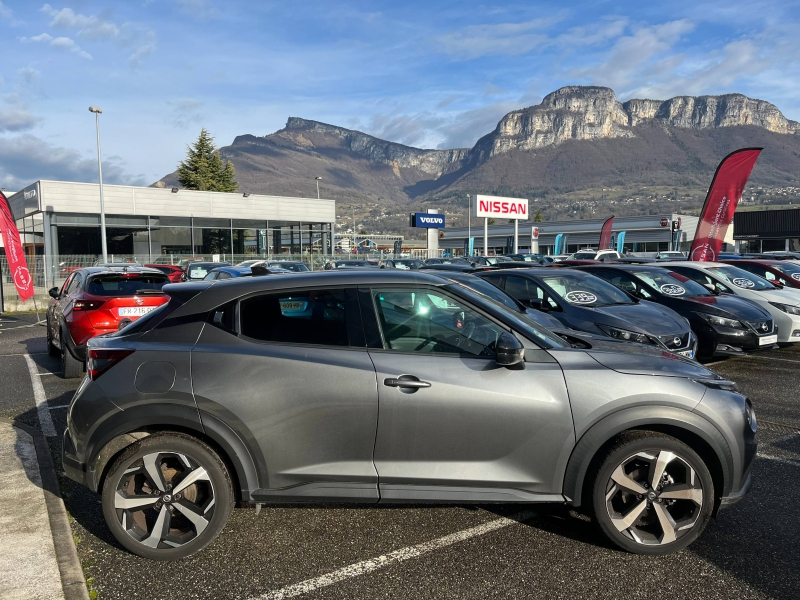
column 579, row 143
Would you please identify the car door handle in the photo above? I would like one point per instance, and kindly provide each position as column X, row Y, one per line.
column 405, row 383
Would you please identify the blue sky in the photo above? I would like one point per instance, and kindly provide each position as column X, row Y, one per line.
column 429, row 74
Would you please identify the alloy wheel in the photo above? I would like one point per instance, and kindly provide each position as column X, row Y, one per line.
column 654, row 497
column 164, row 500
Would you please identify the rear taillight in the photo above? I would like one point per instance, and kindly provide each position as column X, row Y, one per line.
column 87, row 304
column 100, row 360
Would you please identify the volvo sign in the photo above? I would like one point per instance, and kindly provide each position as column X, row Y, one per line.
column 427, row 220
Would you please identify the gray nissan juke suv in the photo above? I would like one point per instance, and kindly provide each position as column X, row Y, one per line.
column 384, row 386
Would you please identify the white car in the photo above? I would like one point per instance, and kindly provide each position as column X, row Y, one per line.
column 592, row 254
column 782, row 303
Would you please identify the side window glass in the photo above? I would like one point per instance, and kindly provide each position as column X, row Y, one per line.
column 223, row 275
column 430, row 321
column 67, row 283
column 311, row 317
column 523, row 288
column 74, row 284
column 211, row 276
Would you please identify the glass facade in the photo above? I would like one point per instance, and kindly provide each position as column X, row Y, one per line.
column 79, row 234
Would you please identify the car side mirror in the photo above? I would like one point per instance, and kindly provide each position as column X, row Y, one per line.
column 535, row 304
column 53, row 292
column 509, row 351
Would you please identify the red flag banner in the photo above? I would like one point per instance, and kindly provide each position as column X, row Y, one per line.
column 17, row 265
column 605, row 234
column 721, row 201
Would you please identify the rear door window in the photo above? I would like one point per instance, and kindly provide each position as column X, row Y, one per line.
column 310, row 317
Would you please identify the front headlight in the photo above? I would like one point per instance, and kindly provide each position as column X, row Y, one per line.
column 719, row 384
column 624, row 334
column 787, row 308
column 721, row 321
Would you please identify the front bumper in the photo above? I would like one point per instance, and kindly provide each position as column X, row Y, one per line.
column 734, row 497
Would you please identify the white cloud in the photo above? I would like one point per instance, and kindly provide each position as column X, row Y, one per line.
column 60, row 43
column 28, row 74
column 5, row 12
column 93, row 28
column 185, row 112
column 638, row 58
column 89, row 27
column 27, row 158
column 508, row 39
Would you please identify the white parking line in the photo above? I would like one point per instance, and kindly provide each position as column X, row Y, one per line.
column 373, row 564
column 41, row 399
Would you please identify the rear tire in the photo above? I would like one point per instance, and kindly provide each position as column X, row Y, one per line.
column 652, row 494
column 71, row 367
column 167, row 519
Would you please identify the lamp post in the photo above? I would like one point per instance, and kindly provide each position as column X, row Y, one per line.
column 97, row 112
column 317, row 178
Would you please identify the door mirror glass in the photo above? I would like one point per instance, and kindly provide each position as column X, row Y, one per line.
column 53, row 292
column 509, row 350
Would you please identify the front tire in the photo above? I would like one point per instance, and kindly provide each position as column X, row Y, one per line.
column 167, row 496
column 652, row 493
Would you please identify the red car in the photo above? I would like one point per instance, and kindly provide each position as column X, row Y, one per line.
column 783, row 271
column 94, row 301
column 175, row 273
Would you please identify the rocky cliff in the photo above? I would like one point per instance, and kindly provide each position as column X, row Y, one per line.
column 577, row 138
column 590, row 113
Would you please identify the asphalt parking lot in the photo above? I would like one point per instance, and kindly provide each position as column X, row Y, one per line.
column 751, row 551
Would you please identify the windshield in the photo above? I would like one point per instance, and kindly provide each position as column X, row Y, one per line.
column 290, row 266
column 408, row 265
column 530, row 328
column 741, row 278
column 131, row 285
column 790, row 269
column 200, row 270
column 352, row 263
column 671, row 284
column 585, row 290
column 487, row 289
column 582, row 256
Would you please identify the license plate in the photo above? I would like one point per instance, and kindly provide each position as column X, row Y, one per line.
column 686, row 353
column 135, row 311
column 292, row 305
column 768, row 340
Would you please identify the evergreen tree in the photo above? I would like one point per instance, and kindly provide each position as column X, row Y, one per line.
column 204, row 168
column 538, row 218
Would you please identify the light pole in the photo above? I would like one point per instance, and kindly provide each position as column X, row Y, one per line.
column 97, row 112
column 469, row 220
column 317, row 178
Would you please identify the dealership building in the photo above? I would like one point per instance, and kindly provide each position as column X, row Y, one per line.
column 767, row 230
column 650, row 233
column 63, row 218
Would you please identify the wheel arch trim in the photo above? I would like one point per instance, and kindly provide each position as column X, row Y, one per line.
column 644, row 417
column 126, row 427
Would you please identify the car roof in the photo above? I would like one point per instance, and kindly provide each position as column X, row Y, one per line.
column 759, row 261
column 117, row 270
column 211, row 294
column 623, row 267
column 232, row 269
column 694, row 263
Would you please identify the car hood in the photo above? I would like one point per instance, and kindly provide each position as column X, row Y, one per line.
column 644, row 316
column 727, row 305
column 785, row 296
column 637, row 359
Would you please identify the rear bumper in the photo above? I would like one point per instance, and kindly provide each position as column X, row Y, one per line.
column 73, row 468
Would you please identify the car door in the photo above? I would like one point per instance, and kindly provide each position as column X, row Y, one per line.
column 453, row 424
column 63, row 306
column 289, row 371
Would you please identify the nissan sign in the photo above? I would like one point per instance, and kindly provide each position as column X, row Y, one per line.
column 427, row 220
column 502, row 208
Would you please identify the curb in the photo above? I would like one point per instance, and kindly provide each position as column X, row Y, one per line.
column 73, row 582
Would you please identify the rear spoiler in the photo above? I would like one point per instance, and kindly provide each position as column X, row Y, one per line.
column 183, row 292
